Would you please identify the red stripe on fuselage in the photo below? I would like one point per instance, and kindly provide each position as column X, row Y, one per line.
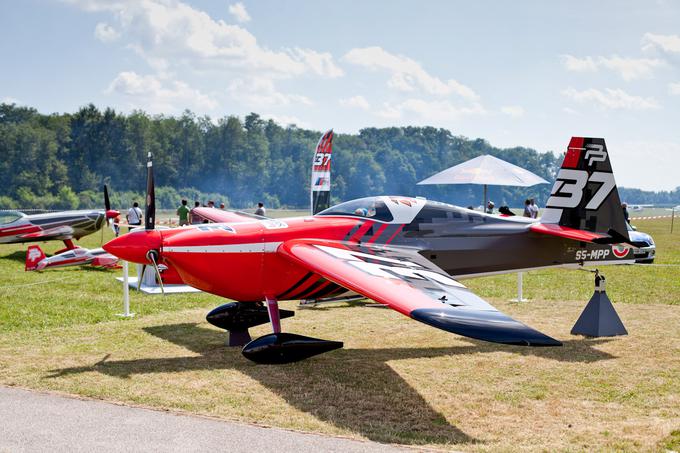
column 401, row 227
column 24, row 229
column 361, row 231
column 378, row 233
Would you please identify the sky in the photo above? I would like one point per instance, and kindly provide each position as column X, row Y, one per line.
column 523, row 73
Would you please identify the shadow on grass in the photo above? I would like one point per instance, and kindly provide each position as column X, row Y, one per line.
column 354, row 389
column 19, row 255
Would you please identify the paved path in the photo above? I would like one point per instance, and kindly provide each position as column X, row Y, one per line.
column 32, row 421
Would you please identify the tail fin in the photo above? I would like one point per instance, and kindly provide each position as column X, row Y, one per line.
column 584, row 196
column 321, row 173
column 34, row 255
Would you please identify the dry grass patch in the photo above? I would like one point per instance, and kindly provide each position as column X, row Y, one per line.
column 395, row 381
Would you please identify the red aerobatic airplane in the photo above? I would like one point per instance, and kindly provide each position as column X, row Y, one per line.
column 37, row 261
column 406, row 253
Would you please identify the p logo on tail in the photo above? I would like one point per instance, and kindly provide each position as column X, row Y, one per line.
column 34, row 255
column 584, row 196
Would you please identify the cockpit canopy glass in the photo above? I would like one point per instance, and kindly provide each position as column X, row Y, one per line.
column 9, row 216
column 370, row 207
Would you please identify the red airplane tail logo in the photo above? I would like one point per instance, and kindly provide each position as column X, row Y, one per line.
column 34, row 255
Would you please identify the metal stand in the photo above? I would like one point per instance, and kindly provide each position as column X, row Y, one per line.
column 520, row 284
column 599, row 318
column 126, row 293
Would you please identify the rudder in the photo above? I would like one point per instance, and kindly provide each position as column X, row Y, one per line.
column 584, row 196
column 34, row 255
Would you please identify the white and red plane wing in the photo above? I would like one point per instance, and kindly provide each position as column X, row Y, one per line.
column 60, row 232
column 407, row 282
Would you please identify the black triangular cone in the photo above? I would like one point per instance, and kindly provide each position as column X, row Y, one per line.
column 599, row 318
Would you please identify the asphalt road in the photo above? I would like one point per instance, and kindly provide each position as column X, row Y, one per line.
column 32, row 421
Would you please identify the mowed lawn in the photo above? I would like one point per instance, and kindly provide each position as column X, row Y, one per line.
column 395, row 381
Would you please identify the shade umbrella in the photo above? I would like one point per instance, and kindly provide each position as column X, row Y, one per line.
column 488, row 171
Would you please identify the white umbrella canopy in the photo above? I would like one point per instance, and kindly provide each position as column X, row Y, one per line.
column 486, row 170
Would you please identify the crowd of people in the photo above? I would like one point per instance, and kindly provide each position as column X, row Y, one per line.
column 531, row 209
column 185, row 215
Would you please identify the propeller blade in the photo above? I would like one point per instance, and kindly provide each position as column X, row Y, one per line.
column 107, row 202
column 101, row 240
column 152, row 256
column 150, row 209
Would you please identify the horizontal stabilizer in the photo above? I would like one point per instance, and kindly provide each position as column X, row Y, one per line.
column 570, row 233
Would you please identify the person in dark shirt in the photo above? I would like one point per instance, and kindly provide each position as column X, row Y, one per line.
column 626, row 215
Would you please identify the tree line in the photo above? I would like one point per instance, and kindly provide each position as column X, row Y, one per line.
column 61, row 161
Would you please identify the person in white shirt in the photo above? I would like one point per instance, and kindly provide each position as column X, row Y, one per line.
column 534, row 209
column 134, row 216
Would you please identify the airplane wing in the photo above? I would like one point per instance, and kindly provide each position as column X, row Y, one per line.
column 220, row 216
column 407, row 282
column 64, row 231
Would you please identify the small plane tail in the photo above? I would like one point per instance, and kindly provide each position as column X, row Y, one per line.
column 321, row 174
column 584, row 196
column 34, row 255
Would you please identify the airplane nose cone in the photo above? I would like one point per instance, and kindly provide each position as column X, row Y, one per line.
column 134, row 246
column 112, row 214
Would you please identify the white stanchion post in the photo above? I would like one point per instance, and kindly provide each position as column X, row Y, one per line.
column 126, row 293
column 520, row 288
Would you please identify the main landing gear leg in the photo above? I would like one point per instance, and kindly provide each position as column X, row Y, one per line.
column 69, row 246
column 280, row 347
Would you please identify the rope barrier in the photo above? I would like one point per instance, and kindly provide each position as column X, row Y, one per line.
column 37, row 283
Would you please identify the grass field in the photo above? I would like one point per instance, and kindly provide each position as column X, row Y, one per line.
column 395, row 381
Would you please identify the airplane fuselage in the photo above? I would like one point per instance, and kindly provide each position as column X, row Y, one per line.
column 239, row 260
column 61, row 225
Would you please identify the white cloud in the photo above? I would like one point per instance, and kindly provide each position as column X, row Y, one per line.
column 287, row 120
column 261, row 92
column 576, row 64
column 667, row 43
column 150, row 93
column 359, row 102
column 614, row 99
column 440, row 112
column 406, row 74
column 514, row 111
column 171, row 34
column 674, row 88
column 320, row 63
column 627, row 68
column 239, row 12
column 9, row 100
column 105, row 33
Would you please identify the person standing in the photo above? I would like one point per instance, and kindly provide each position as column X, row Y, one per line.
column 534, row 209
column 261, row 211
column 626, row 215
column 183, row 213
column 195, row 218
column 134, row 216
column 527, row 209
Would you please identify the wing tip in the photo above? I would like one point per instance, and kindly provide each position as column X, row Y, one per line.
column 492, row 326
